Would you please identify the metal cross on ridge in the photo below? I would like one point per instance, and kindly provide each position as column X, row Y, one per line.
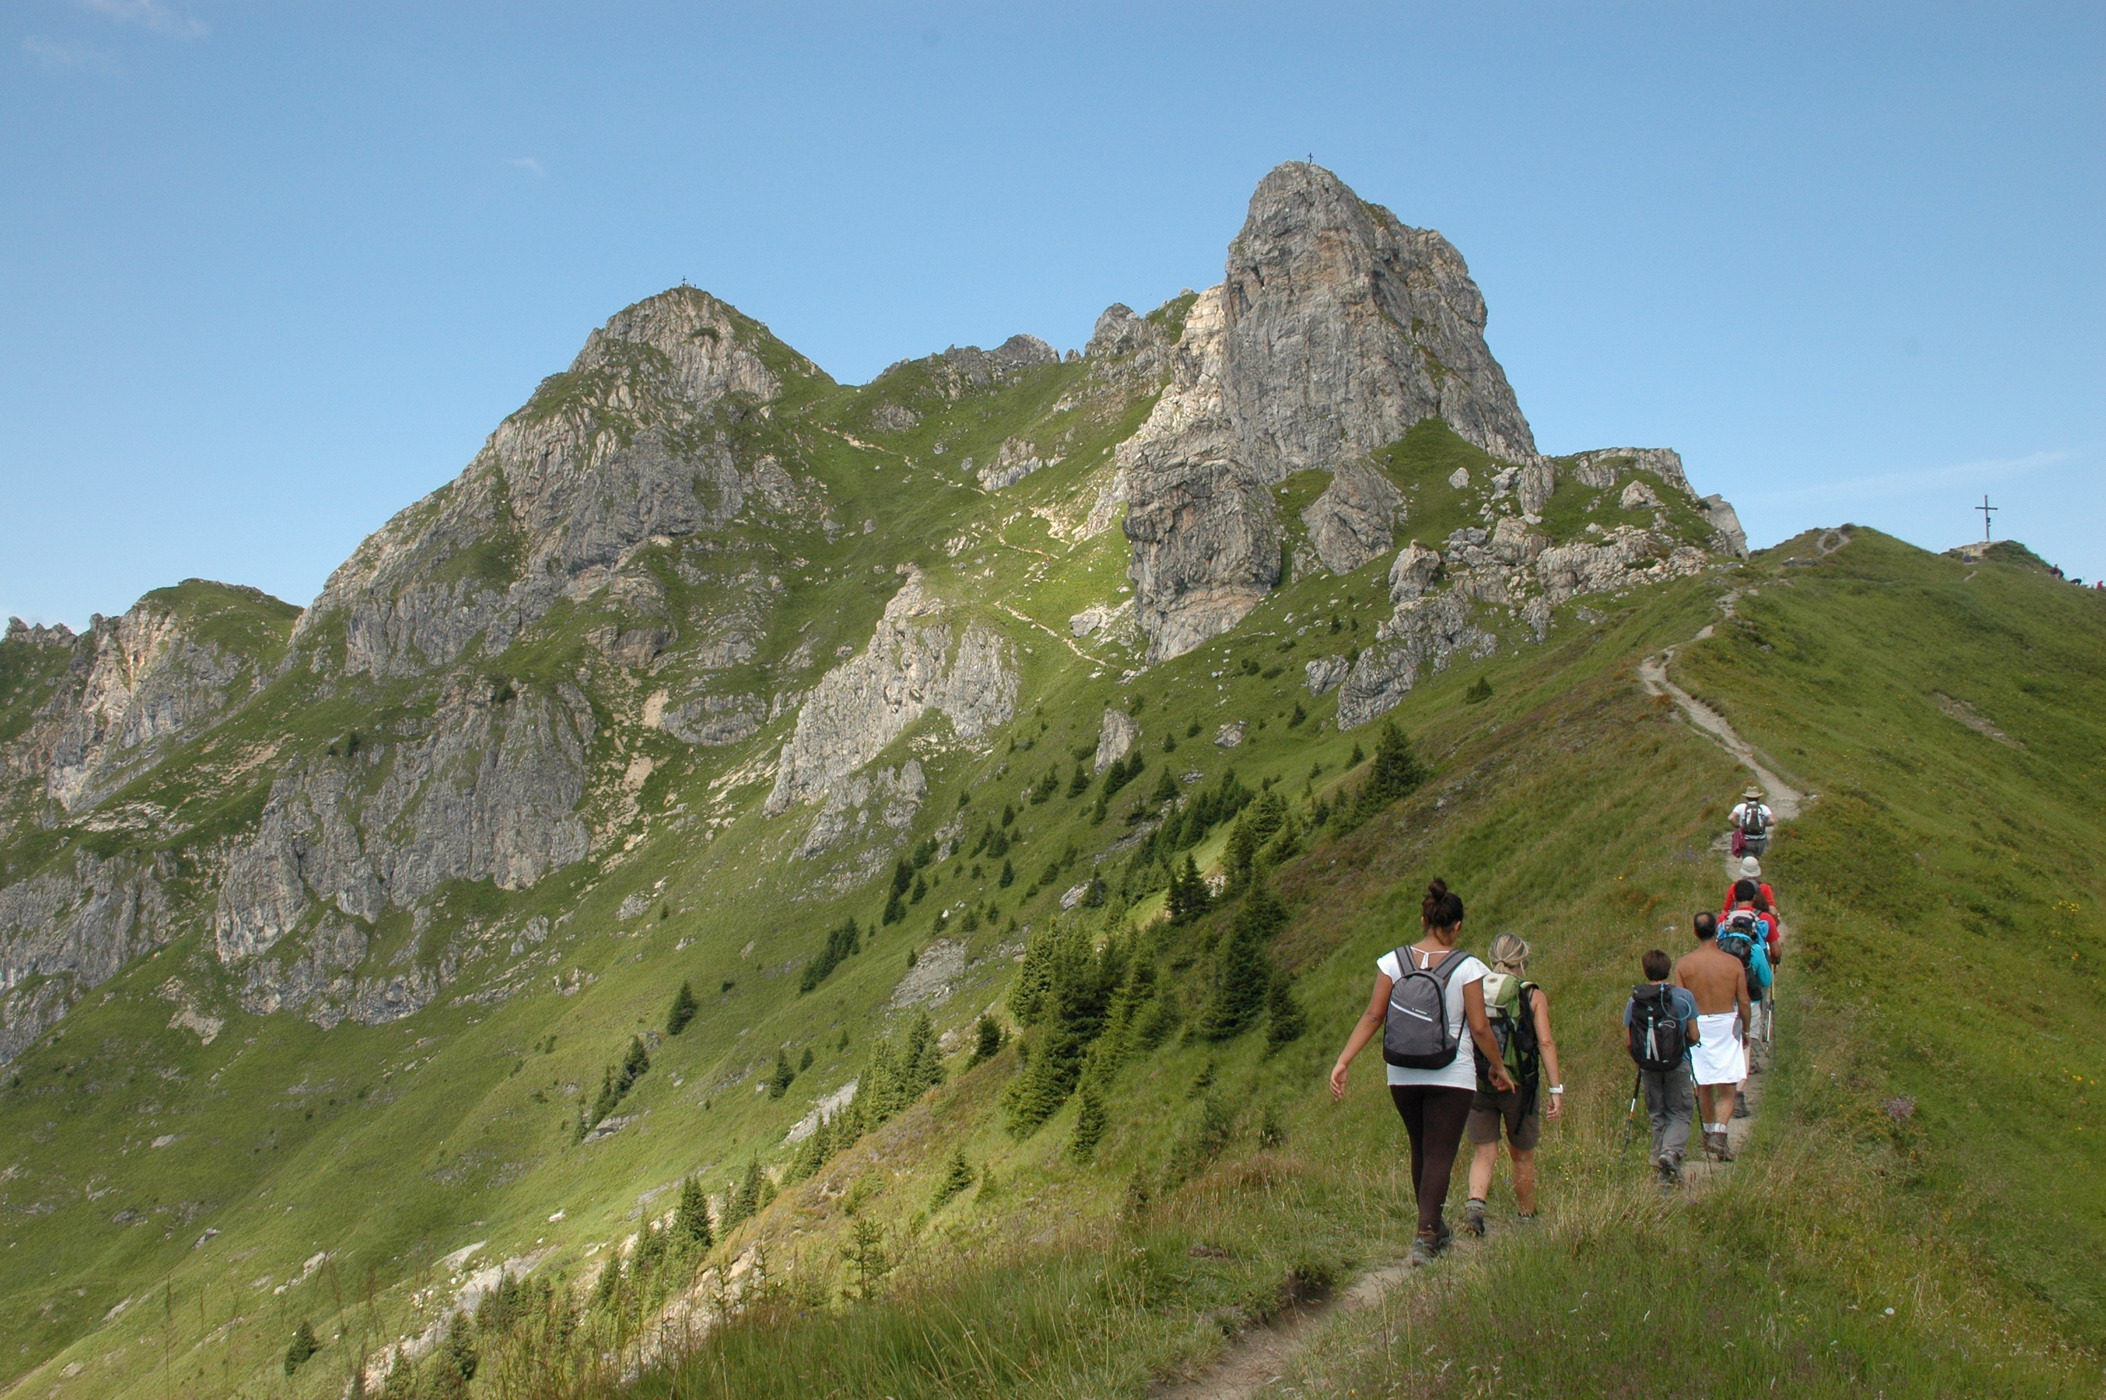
column 1985, row 508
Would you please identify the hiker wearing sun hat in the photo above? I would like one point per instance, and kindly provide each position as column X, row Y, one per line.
column 1750, row 870
column 1751, row 822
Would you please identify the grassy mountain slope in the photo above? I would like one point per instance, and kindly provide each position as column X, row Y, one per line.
column 1939, row 865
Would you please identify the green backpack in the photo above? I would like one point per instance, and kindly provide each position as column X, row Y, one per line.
column 1509, row 1004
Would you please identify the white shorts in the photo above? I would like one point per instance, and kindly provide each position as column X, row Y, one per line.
column 1721, row 1056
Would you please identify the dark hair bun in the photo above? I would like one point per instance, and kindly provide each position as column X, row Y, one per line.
column 1441, row 908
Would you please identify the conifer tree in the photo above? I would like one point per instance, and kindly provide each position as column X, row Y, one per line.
column 745, row 1199
column 779, row 1083
column 303, row 1346
column 691, row 1227
column 1090, row 1121
column 1285, row 1021
column 957, row 1177
column 609, row 1288
column 1243, row 967
column 1395, row 771
column 987, row 1039
column 681, row 1011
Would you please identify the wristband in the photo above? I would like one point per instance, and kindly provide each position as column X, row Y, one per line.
column 1557, row 1088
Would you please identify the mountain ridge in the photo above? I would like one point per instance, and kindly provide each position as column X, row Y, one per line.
column 832, row 702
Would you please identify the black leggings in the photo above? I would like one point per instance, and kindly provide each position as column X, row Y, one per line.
column 1434, row 1117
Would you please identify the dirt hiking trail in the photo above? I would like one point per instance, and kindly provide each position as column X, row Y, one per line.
column 1265, row 1355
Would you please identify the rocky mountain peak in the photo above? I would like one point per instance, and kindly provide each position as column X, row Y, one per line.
column 688, row 343
column 1335, row 329
column 1346, row 326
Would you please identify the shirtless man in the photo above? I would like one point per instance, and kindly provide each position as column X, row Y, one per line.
column 1720, row 1058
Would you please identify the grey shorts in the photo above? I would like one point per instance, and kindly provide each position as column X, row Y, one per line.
column 1490, row 1112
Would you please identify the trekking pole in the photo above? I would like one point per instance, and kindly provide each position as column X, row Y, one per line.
column 1630, row 1115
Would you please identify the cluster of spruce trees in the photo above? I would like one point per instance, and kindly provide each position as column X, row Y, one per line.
column 899, row 1072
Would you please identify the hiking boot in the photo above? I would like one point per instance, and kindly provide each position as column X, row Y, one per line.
column 1524, row 1220
column 1473, row 1220
column 1741, row 1109
column 1670, row 1169
column 1445, row 1238
column 1423, row 1252
column 1715, row 1144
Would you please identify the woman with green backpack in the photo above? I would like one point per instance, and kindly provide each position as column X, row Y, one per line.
column 1519, row 1015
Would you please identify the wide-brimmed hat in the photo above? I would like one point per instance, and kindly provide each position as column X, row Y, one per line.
column 1753, row 794
column 1750, row 868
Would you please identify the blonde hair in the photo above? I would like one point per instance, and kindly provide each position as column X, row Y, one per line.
column 1510, row 954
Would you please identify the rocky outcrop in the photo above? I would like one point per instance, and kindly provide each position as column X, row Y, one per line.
column 1013, row 461
column 136, row 684
column 490, row 792
column 885, row 799
column 635, row 443
column 1727, row 537
column 1116, row 738
column 964, row 368
column 1354, row 520
column 916, row 662
column 1414, row 571
column 1439, row 596
column 320, row 983
column 66, row 931
column 1424, row 635
column 1325, row 673
column 1336, row 329
column 1124, row 345
column 713, row 720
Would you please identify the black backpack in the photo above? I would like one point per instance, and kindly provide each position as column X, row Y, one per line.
column 1415, row 1033
column 1658, row 1038
column 1752, row 822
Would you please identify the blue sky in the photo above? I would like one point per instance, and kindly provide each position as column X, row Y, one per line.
column 270, row 271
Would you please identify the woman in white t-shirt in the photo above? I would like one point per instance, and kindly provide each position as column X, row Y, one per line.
column 1434, row 1103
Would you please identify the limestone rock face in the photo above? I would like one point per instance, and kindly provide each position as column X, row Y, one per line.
column 1335, row 330
column 1325, row 673
column 1116, row 739
column 64, row 932
column 1013, row 461
column 633, row 443
column 135, row 684
column 490, row 792
column 1354, row 520
column 1423, row 636
column 1413, row 572
column 886, row 799
column 1126, row 345
column 916, row 662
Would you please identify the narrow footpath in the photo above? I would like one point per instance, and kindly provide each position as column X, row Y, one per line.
column 1265, row 1355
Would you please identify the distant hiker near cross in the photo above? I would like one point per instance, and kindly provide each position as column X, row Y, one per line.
column 1985, row 508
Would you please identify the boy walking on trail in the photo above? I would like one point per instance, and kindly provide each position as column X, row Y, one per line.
column 1520, row 1017
column 1718, row 982
column 1660, row 1025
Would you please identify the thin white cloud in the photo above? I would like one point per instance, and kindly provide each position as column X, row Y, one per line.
column 1889, row 484
column 149, row 14
column 528, row 164
column 52, row 54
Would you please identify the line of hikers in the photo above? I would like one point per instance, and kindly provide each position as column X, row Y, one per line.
column 1469, row 1049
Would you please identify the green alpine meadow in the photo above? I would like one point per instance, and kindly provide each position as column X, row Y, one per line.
column 770, row 887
